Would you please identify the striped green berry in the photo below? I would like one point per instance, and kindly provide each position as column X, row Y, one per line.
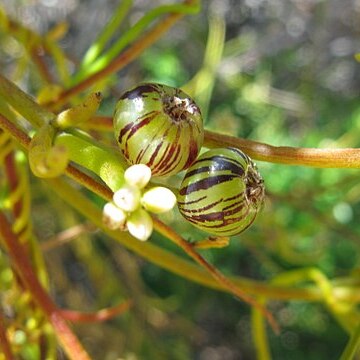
column 222, row 192
column 158, row 126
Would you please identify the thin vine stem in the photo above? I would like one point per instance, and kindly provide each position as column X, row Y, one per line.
column 66, row 236
column 17, row 134
column 4, row 342
column 172, row 262
column 313, row 157
column 105, row 35
column 123, row 59
column 137, row 29
column 39, row 45
column 321, row 158
column 24, row 140
column 12, row 176
column 215, row 273
column 160, row 257
column 67, row 338
column 259, row 335
column 24, row 104
column 98, row 316
column 42, row 67
column 84, row 206
column 352, row 346
column 35, row 49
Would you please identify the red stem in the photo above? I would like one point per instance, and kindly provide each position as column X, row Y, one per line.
column 162, row 228
column 38, row 59
column 67, row 338
column 4, row 342
column 215, row 273
column 101, row 315
column 13, row 181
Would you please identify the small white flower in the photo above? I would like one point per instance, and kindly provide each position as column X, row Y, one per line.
column 128, row 211
column 127, row 198
column 113, row 217
column 140, row 224
column 158, row 200
column 138, row 175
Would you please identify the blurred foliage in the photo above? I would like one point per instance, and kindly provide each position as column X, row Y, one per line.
column 287, row 76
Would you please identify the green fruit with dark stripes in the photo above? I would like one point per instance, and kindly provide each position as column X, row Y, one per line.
column 159, row 126
column 222, row 192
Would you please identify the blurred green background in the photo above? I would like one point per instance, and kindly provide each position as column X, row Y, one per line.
column 287, row 75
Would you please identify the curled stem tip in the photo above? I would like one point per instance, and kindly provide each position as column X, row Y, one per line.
column 79, row 113
column 47, row 160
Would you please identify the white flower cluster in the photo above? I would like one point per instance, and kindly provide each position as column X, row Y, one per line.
column 130, row 205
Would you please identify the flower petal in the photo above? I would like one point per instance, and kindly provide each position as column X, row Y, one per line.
column 113, row 217
column 158, row 200
column 140, row 224
column 138, row 175
column 127, row 198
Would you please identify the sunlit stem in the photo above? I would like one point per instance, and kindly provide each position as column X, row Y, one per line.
column 106, row 34
column 24, row 104
column 135, row 32
column 79, row 113
column 352, row 346
column 212, row 242
column 101, row 161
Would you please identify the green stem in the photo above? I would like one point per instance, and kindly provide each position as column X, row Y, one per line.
column 170, row 261
column 352, row 346
column 259, row 334
column 346, row 315
column 127, row 56
column 314, row 157
column 60, row 60
column 343, row 291
column 135, row 31
column 24, row 104
column 321, row 158
column 82, row 150
column 201, row 85
column 97, row 159
column 105, row 35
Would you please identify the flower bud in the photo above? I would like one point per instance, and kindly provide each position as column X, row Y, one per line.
column 140, row 224
column 113, row 217
column 158, row 200
column 127, row 198
column 138, row 175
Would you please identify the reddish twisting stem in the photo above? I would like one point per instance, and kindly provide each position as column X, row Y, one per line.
column 101, row 315
column 162, row 228
column 215, row 273
column 67, row 338
column 4, row 342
